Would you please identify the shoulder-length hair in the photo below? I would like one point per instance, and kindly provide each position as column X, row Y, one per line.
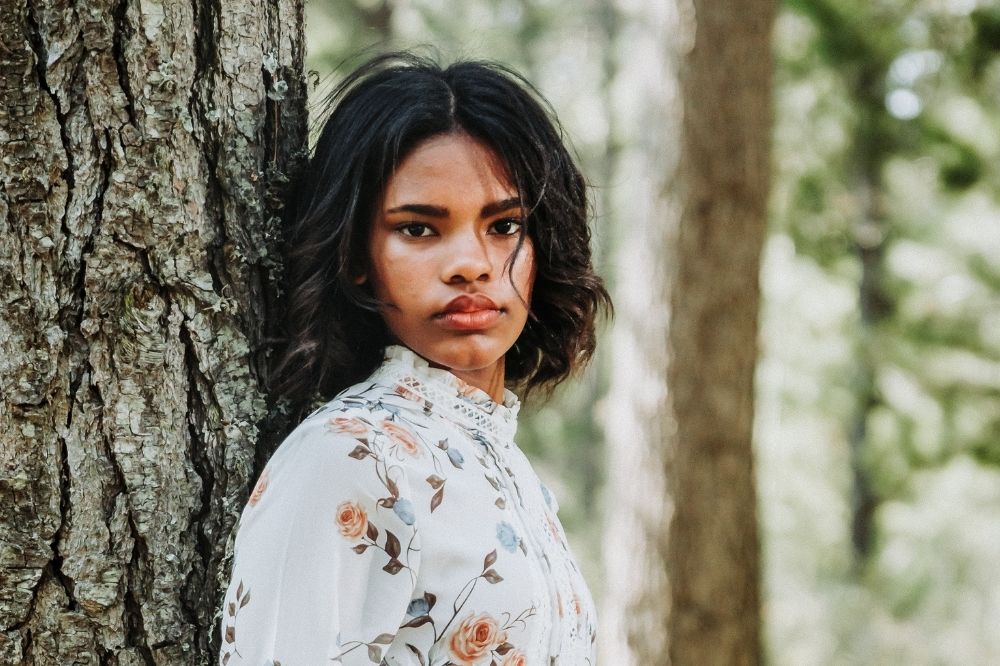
column 334, row 334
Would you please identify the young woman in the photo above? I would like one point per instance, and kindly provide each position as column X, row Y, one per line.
column 439, row 252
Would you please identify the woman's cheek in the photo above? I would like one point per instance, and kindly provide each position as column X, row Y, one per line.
column 524, row 270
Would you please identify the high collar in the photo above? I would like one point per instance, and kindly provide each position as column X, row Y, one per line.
column 407, row 372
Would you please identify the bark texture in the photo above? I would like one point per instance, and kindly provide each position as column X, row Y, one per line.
column 140, row 144
column 684, row 572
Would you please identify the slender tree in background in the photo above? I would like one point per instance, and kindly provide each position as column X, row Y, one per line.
column 683, row 576
column 141, row 147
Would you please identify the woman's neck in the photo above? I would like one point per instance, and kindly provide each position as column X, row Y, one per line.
column 489, row 379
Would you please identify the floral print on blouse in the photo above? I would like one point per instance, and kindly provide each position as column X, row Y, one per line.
column 399, row 524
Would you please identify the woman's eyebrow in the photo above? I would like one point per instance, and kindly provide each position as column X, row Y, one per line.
column 429, row 210
column 500, row 206
column 420, row 209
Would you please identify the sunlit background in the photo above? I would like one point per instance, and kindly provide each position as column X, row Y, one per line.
column 878, row 399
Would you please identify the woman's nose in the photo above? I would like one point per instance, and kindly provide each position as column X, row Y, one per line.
column 467, row 259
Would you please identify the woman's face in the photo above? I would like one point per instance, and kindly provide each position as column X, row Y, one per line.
column 441, row 244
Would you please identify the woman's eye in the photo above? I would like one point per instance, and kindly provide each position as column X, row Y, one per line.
column 414, row 230
column 507, row 226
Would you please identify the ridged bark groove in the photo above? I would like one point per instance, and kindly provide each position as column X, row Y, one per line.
column 141, row 145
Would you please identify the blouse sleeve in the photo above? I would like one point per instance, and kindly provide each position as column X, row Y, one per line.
column 325, row 559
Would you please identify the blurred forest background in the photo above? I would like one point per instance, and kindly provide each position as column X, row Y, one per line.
column 877, row 427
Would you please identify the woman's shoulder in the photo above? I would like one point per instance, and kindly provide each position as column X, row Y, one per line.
column 364, row 423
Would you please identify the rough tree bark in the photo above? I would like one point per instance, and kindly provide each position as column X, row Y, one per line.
column 683, row 576
column 141, row 142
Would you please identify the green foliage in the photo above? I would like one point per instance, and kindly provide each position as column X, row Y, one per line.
column 885, row 144
column 960, row 165
column 984, row 46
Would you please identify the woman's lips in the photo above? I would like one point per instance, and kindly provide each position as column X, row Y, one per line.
column 469, row 312
column 469, row 321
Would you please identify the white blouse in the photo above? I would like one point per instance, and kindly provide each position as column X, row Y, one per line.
column 399, row 524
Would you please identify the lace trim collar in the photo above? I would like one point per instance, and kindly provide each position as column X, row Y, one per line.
column 407, row 372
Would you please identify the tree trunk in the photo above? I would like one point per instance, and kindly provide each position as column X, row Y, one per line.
column 870, row 151
column 142, row 142
column 683, row 586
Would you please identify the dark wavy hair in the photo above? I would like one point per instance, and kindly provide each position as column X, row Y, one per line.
column 334, row 334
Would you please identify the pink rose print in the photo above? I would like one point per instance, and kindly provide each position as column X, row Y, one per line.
column 351, row 519
column 514, row 658
column 401, row 437
column 258, row 490
column 474, row 638
column 352, row 426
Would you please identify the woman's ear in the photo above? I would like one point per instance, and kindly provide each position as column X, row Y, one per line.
column 361, row 279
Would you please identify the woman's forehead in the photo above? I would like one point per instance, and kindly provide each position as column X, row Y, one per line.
column 449, row 165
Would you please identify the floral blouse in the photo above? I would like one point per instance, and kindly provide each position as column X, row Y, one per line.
column 399, row 524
